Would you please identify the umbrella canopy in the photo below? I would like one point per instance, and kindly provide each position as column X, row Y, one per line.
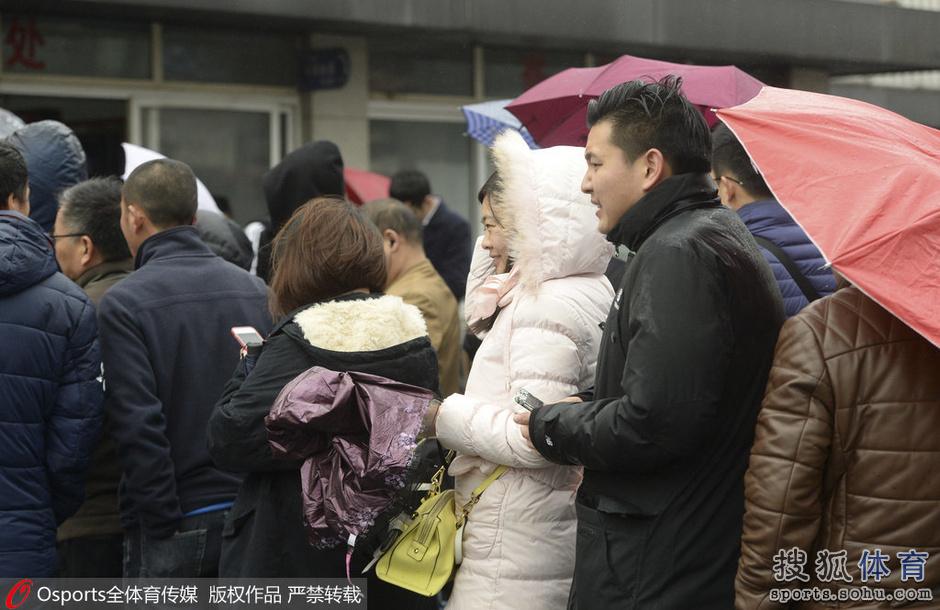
column 363, row 187
column 487, row 120
column 135, row 155
column 864, row 183
column 357, row 434
column 555, row 110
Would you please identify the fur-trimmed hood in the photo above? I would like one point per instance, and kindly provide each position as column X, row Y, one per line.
column 365, row 325
column 551, row 226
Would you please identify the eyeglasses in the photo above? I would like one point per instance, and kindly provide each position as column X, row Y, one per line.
column 55, row 237
column 735, row 180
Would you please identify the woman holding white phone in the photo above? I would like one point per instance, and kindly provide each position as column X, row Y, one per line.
column 328, row 272
column 536, row 294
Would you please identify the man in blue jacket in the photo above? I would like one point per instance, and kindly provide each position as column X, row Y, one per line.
column 56, row 161
column 168, row 352
column 50, row 385
column 799, row 268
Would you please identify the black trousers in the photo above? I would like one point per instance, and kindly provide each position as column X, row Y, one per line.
column 92, row 556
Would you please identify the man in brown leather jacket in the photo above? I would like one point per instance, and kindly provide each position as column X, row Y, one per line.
column 841, row 491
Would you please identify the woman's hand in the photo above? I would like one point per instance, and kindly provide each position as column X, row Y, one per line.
column 429, row 423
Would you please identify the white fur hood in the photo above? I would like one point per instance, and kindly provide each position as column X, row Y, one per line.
column 551, row 225
column 365, row 325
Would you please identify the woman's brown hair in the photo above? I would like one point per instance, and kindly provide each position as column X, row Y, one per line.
column 326, row 249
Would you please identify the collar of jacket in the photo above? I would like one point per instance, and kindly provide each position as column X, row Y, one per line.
column 27, row 255
column 349, row 296
column 422, row 268
column 171, row 243
column 104, row 269
column 674, row 195
column 762, row 212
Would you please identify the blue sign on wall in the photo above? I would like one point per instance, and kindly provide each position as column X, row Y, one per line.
column 324, row 69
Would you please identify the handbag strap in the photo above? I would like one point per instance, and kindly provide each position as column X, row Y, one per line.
column 475, row 496
column 804, row 284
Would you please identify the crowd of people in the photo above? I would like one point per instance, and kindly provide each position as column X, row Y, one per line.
column 712, row 397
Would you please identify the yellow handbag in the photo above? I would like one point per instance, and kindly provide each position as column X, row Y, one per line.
column 423, row 556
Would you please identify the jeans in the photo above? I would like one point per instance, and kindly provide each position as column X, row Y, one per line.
column 91, row 556
column 192, row 552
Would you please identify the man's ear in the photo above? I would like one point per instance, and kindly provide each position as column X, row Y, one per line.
column 655, row 168
column 394, row 240
column 136, row 217
column 731, row 191
column 88, row 249
column 16, row 205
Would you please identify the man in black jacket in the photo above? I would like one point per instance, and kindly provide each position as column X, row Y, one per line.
column 687, row 346
column 446, row 234
column 168, row 352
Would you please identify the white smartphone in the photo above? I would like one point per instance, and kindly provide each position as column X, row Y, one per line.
column 247, row 336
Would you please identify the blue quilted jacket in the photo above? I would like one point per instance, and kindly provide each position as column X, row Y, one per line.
column 50, row 397
column 56, row 161
column 768, row 219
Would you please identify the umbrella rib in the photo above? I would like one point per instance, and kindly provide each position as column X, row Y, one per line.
column 885, row 237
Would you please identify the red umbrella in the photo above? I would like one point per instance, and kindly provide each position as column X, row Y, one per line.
column 864, row 183
column 555, row 110
column 363, row 186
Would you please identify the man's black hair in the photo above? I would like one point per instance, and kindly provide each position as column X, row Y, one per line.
column 93, row 207
column 647, row 115
column 730, row 159
column 410, row 186
column 14, row 178
column 166, row 190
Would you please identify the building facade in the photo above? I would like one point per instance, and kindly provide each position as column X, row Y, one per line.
column 231, row 87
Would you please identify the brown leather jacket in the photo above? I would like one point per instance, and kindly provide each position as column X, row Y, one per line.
column 846, row 455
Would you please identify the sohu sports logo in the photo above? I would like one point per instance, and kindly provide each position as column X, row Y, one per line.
column 18, row 594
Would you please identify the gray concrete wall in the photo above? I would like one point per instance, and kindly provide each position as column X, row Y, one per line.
column 836, row 36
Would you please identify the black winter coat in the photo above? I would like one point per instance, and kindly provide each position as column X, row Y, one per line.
column 664, row 444
column 264, row 535
column 168, row 352
column 448, row 246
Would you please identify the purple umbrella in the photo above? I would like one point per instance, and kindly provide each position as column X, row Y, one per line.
column 555, row 110
column 357, row 435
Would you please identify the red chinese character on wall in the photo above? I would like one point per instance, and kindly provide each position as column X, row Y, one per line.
column 24, row 41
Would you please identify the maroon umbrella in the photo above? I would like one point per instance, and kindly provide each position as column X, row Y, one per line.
column 555, row 110
column 357, row 435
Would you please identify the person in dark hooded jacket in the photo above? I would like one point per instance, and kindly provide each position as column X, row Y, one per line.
column 687, row 346
column 50, row 388
column 56, row 161
column 225, row 238
column 313, row 170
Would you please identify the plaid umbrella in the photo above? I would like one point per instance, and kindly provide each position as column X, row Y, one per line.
column 487, row 119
